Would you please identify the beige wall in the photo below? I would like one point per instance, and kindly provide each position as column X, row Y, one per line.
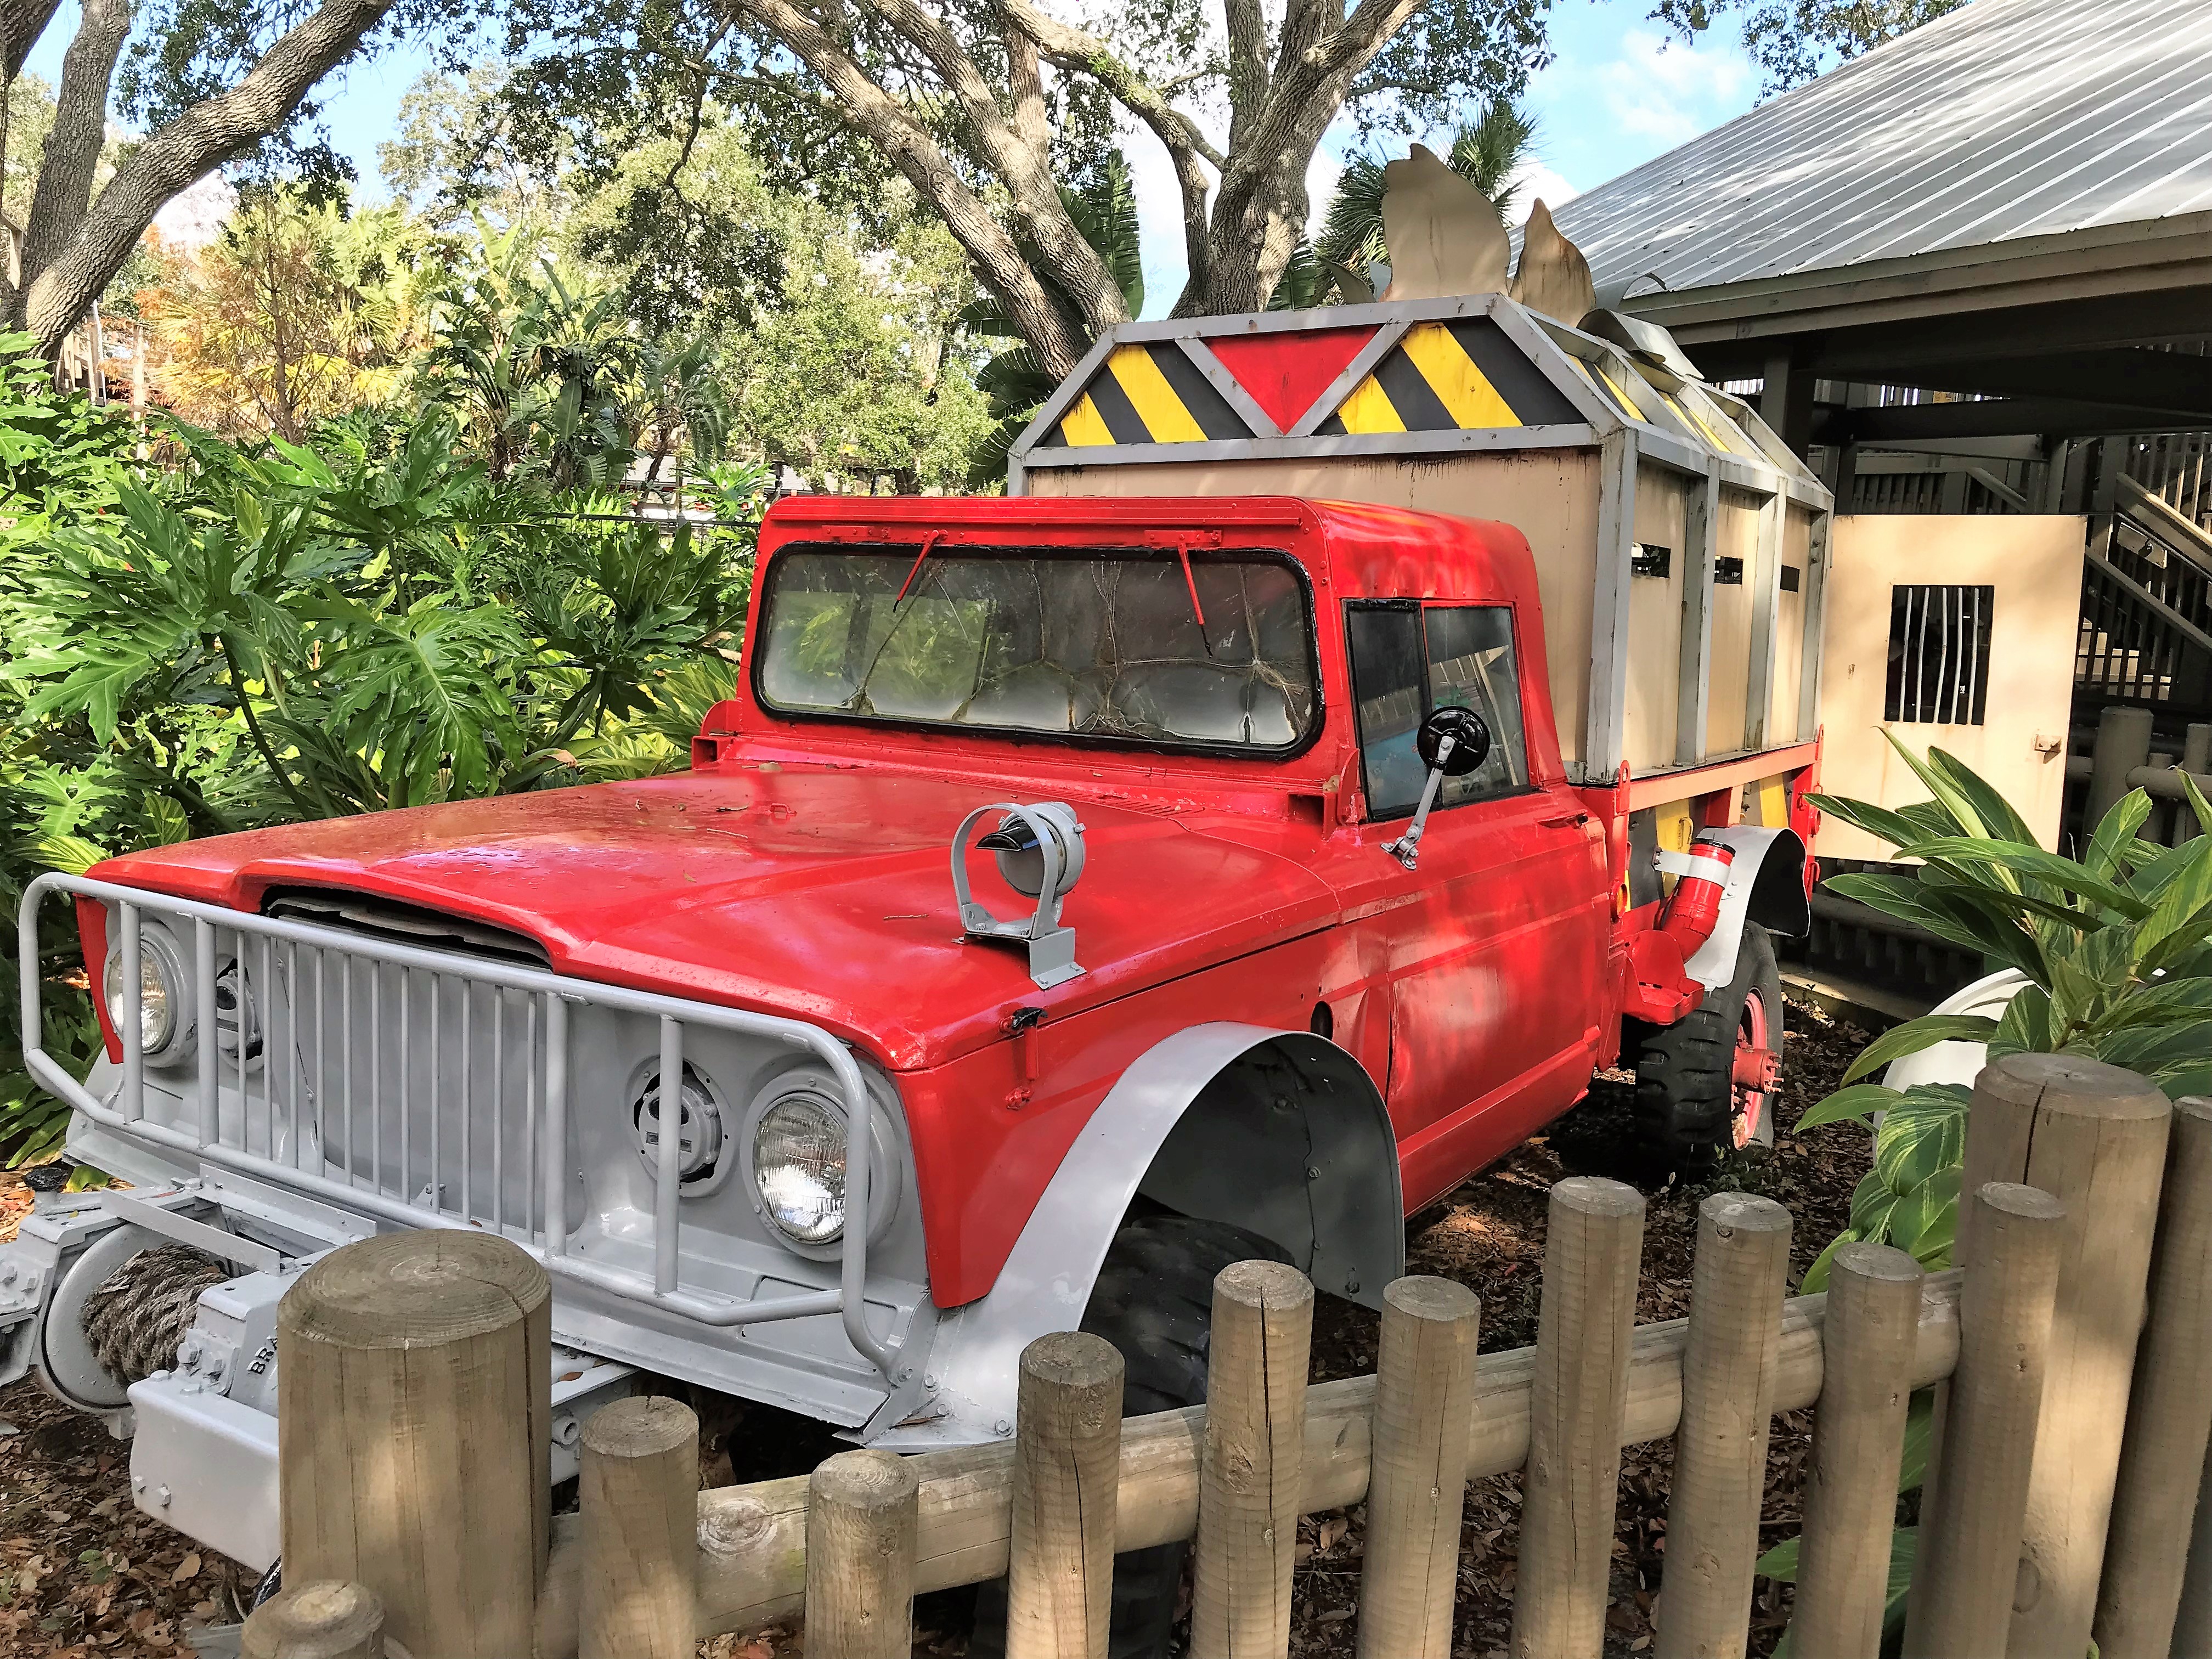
column 2034, row 564
column 1550, row 495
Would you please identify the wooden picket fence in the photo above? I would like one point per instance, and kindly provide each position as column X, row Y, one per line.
column 2071, row 1347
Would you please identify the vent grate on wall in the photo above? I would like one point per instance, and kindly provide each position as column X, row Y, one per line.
column 1939, row 653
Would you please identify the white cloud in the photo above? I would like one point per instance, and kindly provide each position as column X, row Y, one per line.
column 1663, row 89
column 1533, row 180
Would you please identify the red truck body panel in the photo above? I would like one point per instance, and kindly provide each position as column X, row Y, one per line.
column 800, row 868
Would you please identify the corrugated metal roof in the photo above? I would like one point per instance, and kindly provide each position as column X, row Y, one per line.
column 2006, row 119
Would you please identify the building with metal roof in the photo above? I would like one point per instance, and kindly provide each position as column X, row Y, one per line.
column 2013, row 201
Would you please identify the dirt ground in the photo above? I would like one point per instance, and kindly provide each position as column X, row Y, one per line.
column 82, row 1574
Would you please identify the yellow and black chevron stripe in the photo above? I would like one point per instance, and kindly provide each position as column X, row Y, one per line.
column 1446, row 376
column 1148, row 394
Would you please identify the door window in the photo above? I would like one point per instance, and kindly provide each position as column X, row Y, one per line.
column 1407, row 659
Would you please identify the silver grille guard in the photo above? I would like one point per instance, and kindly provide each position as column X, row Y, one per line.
column 545, row 1235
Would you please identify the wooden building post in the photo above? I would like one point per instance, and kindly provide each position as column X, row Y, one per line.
column 2093, row 1137
column 1969, row 1546
column 1737, row 1283
column 2123, row 745
column 1858, row 1444
column 860, row 1523
column 1068, row 1475
column 1248, row 1465
column 638, row 1493
column 415, row 1393
column 2154, row 1502
column 1593, row 1250
column 1424, row 1418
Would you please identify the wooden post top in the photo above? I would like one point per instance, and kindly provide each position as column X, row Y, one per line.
column 1073, row 1359
column 410, row 1290
column 640, row 1427
column 2069, row 1084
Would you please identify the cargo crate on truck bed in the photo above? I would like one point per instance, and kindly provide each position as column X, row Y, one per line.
column 1680, row 546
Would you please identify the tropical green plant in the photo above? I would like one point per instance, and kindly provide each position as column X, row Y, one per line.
column 2116, row 946
column 230, row 639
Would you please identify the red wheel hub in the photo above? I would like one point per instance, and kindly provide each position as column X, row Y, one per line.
column 1756, row 1070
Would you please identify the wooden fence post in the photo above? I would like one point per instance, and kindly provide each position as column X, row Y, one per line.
column 2154, row 1502
column 1858, row 1443
column 415, row 1398
column 1248, row 1464
column 1424, row 1418
column 1737, row 1286
column 1068, row 1475
column 325, row 1619
column 638, row 1493
column 1969, row 1543
column 2093, row 1137
column 1593, row 1251
column 861, row 1517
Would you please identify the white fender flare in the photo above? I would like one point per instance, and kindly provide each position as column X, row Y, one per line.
column 1348, row 1162
column 1765, row 885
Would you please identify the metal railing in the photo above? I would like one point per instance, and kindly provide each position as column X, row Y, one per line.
column 296, row 1112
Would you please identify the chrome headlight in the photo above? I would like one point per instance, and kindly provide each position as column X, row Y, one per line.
column 799, row 1167
column 160, row 992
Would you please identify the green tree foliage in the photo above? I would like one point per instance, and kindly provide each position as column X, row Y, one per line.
column 299, row 311
column 1794, row 41
column 982, row 108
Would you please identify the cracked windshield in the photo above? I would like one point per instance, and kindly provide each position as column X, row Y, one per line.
column 1145, row 646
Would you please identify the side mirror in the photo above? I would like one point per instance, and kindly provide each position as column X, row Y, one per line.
column 1452, row 743
column 1466, row 733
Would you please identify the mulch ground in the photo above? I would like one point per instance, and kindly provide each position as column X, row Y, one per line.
column 82, row 1574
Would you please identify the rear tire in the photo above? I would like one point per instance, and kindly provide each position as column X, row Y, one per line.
column 1689, row 1107
column 1154, row 1301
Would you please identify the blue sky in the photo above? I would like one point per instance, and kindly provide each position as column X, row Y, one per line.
column 1618, row 94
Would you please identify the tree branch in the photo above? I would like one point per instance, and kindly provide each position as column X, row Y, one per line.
column 21, row 23
column 911, row 148
column 211, row 132
column 72, row 152
column 1024, row 168
column 1077, row 51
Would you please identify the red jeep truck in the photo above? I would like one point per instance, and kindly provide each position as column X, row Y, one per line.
column 1075, row 896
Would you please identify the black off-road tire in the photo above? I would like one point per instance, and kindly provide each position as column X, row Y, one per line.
column 1684, row 1093
column 1153, row 1300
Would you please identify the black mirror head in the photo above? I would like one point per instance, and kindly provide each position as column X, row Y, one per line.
column 1470, row 736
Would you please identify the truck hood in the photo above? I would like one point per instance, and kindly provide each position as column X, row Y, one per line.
column 819, row 892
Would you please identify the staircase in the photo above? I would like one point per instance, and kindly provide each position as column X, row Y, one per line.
column 2146, row 632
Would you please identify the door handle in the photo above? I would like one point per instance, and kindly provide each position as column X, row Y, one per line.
column 1564, row 821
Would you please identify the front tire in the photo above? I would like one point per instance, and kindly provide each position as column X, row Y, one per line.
column 1154, row 1301
column 1697, row 1092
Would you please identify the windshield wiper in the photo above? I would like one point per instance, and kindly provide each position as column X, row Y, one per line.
column 928, row 541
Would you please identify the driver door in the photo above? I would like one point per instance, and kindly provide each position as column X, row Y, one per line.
column 1495, row 945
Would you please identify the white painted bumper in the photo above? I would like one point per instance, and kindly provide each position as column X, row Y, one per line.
column 207, row 1466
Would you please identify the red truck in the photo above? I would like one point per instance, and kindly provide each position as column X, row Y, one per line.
column 1076, row 896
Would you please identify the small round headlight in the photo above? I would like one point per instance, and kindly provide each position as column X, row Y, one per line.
column 157, row 1014
column 799, row 1165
